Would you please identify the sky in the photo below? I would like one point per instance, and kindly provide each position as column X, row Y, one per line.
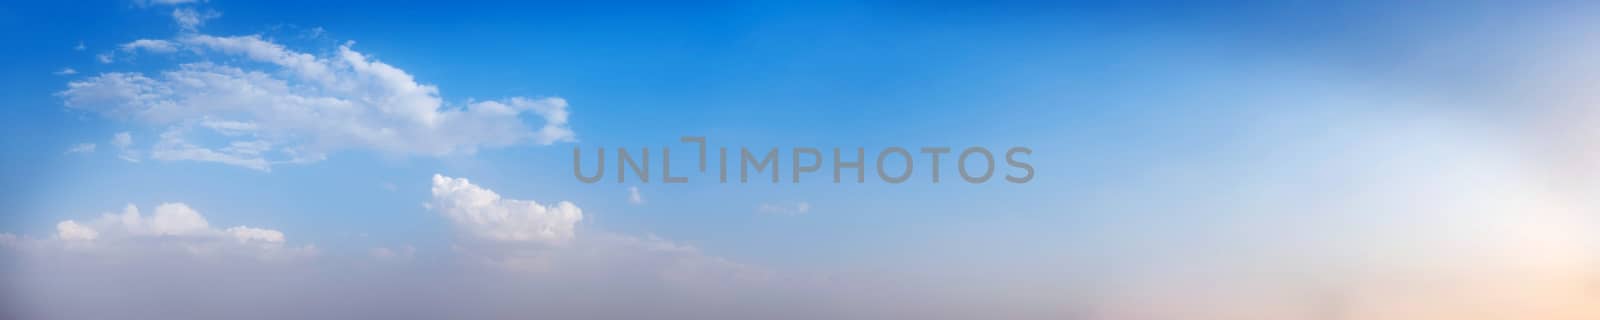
column 1191, row 160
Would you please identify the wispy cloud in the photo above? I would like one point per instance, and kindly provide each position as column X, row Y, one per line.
column 82, row 148
column 403, row 253
column 634, row 197
column 124, row 143
column 149, row 45
column 784, row 208
column 189, row 19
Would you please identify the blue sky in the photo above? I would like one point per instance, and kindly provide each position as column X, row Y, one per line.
column 1288, row 148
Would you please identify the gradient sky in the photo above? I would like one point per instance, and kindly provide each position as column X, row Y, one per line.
column 1194, row 160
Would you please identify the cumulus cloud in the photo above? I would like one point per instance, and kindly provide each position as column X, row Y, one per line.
column 171, row 227
column 66, row 72
column 523, row 235
column 520, row 257
column 71, row 230
column 289, row 106
column 505, row 266
column 169, row 219
column 482, row 214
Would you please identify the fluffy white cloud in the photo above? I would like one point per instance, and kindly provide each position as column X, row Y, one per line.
column 71, row 230
column 171, row 225
column 66, row 72
column 293, row 107
column 169, row 219
column 510, row 269
column 482, row 214
column 523, row 235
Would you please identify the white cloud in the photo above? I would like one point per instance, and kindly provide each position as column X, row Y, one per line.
column 174, row 146
column 248, row 234
column 190, row 20
column 171, row 225
column 105, row 57
column 229, row 128
column 175, row 254
column 483, row 215
column 170, row 219
column 66, row 72
column 81, row 148
column 123, row 141
column 634, row 197
column 523, row 235
column 784, row 208
column 79, row 47
column 301, row 107
column 150, row 45
column 72, row 231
